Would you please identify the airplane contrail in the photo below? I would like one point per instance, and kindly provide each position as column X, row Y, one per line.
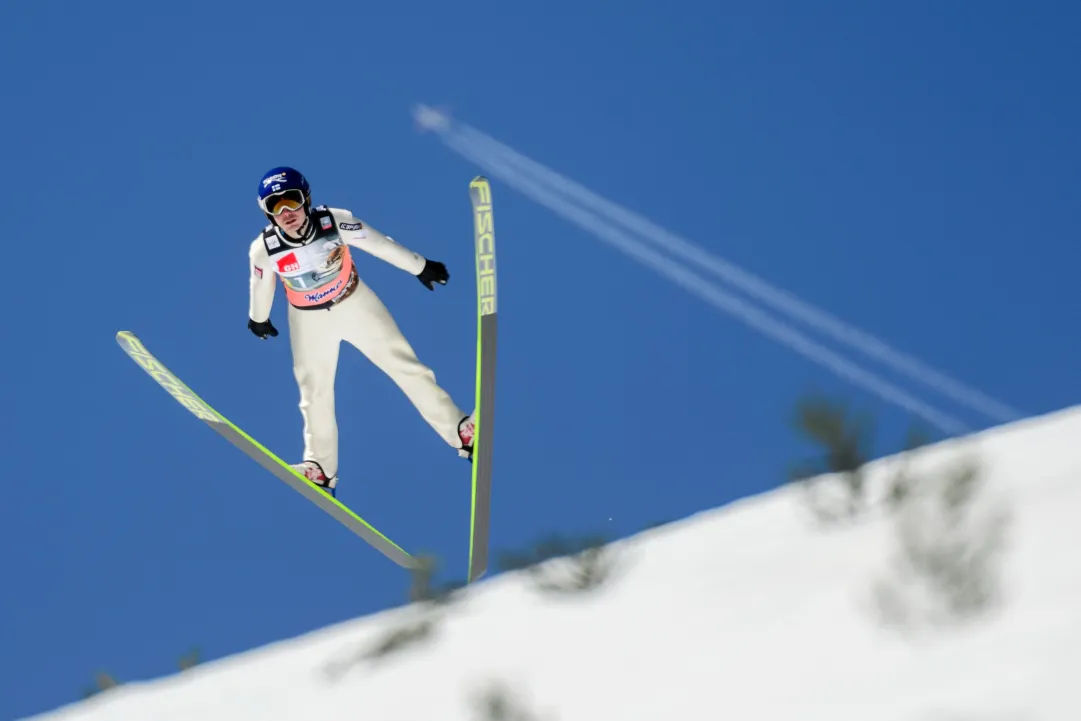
column 485, row 150
column 506, row 164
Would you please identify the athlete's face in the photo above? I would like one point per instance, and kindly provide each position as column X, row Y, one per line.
column 291, row 221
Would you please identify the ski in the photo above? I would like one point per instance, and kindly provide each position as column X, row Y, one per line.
column 480, row 193
column 279, row 468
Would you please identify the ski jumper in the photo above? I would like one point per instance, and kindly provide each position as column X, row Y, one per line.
column 330, row 303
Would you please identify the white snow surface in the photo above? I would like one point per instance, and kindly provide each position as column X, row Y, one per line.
column 750, row 611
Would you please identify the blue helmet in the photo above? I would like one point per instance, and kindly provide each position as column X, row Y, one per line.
column 283, row 187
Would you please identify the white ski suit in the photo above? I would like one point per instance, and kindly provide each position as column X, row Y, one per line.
column 329, row 303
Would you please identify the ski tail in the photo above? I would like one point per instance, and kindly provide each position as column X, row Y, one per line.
column 186, row 397
column 480, row 193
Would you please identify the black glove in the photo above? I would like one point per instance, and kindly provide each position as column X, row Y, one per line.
column 433, row 271
column 262, row 329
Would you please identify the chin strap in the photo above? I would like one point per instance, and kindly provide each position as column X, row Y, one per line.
column 307, row 231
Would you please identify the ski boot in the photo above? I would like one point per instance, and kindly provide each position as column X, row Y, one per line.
column 465, row 433
column 314, row 473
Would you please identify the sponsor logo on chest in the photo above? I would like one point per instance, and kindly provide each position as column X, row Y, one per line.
column 320, row 295
column 288, row 263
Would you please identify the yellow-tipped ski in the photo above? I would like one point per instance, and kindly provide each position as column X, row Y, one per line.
column 188, row 398
column 480, row 193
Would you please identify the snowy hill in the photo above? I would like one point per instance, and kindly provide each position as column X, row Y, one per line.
column 752, row 611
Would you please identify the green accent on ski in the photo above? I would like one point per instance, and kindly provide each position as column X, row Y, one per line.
column 230, row 431
column 484, row 248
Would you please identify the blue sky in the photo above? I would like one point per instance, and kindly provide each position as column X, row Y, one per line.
column 912, row 169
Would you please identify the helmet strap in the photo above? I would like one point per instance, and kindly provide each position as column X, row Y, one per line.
column 305, row 233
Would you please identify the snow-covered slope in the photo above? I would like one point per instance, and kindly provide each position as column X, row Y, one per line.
column 747, row 612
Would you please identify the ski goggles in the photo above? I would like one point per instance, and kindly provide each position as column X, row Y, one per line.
column 291, row 199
